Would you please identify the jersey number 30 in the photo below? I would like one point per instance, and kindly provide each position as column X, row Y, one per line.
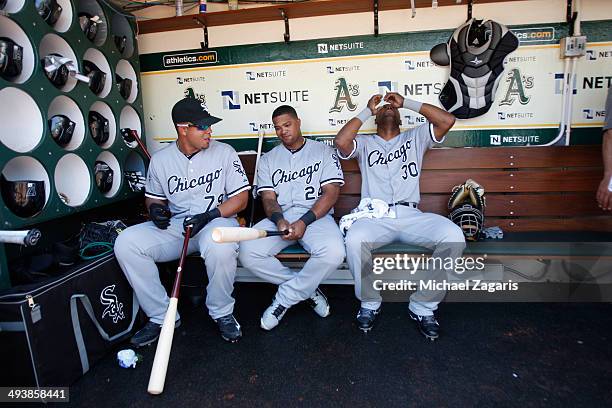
column 410, row 169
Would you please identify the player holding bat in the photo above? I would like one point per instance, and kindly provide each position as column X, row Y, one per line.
column 196, row 182
column 299, row 182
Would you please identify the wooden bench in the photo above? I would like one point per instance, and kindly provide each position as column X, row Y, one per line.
column 532, row 193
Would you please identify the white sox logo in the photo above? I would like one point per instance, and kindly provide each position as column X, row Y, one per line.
column 378, row 158
column 280, row 176
column 114, row 308
column 176, row 184
column 336, row 160
column 238, row 168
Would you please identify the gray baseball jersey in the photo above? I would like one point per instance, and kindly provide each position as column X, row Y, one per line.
column 390, row 170
column 196, row 184
column 297, row 177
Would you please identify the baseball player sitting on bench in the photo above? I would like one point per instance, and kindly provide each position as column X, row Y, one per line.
column 299, row 182
column 196, row 181
column 390, row 164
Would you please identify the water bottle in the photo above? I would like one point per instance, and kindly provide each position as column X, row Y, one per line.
column 202, row 6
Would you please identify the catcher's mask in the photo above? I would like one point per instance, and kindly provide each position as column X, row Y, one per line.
column 470, row 219
column 62, row 129
column 58, row 75
column 97, row 78
column 120, row 42
column 89, row 25
column 25, row 198
column 104, row 176
column 11, row 58
column 98, row 126
column 124, row 85
column 49, row 10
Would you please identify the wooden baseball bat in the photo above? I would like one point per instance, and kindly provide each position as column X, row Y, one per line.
column 260, row 135
column 164, row 344
column 236, row 234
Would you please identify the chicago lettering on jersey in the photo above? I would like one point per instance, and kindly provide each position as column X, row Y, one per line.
column 378, row 158
column 176, row 184
column 281, row 176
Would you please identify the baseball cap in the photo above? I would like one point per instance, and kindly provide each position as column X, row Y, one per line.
column 191, row 110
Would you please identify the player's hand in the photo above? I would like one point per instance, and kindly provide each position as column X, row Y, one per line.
column 604, row 195
column 396, row 100
column 373, row 102
column 197, row 222
column 283, row 225
column 160, row 215
column 296, row 230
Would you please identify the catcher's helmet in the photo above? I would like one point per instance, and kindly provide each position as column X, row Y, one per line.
column 25, row 198
column 89, row 25
column 11, row 56
column 49, row 10
column 124, row 85
column 470, row 219
column 58, row 74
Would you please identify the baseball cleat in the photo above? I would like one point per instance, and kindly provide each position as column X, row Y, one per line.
column 319, row 303
column 366, row 317
column 229, row 328
column 428, row 325
column 272, row 316
column 148, row 334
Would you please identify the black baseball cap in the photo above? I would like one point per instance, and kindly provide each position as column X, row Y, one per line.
column 191, row 110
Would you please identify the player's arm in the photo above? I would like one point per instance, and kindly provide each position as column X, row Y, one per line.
column 273, row 210
column 234, row 204
column 329, row 196
column 345, row 137
column 441, row 120
column 604, row 192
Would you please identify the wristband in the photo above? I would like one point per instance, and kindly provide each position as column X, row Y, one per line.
column 308, row 218
column 412, row 105
column 214, row 213
column 364, row 115
column 276, row 217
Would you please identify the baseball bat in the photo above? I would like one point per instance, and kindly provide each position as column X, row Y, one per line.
column 237, row 234
column 25, row 238
column 164, row 344
column 260, row 135
column 131, row 135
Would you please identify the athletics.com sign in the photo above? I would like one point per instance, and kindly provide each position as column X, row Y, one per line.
column 192, row 59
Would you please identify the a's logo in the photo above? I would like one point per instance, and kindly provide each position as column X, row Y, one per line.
column 344, row 92
column 322, row 48
column 250, row 76
column 591, row 55
column 560, row 84
column 114, row 308
column 517, row 84
column 476, row 61
column 190, row 93
column 231, row 99
column 386, row 86
column 495, row 140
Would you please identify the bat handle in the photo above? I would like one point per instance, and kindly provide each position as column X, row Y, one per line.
column 276, row 233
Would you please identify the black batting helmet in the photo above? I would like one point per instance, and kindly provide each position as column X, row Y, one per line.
column 104, row 176
column 25, row 198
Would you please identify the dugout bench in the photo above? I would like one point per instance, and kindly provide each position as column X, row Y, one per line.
column 536, row 195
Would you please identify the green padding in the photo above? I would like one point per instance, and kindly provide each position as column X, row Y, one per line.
column 295, row 249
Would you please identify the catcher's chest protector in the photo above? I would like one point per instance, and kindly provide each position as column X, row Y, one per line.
column 476, row 53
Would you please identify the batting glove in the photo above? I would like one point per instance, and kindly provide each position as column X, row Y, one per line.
column 197, row 222
column 160, row 215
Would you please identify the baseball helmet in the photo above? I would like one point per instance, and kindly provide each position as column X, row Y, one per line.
column 98, row 126
column 104, row 176
column 124, row 85
column 62, row 129
column 58, row 74
column 25, row 198
column 470, row 219
column 97, row 78
column 89, row 25
column 49, row 10
column 11, row 57
column 120, row 42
